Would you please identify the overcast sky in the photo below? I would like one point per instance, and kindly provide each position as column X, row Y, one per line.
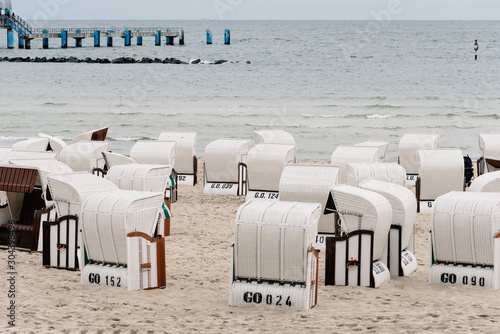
column 259, row 9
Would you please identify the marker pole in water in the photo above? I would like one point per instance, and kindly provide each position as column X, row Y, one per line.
column 21, row 40
column 97, row 38
column 64, row 39
column 181, row 37
column 10, row 38
column 45, row 40
column 158, row 38
column 227, row 37
column 128, row 37
column 476, row 47
column 78, row 41
column 209, row 36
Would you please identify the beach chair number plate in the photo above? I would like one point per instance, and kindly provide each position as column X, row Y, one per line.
column 465, row 280
column 266, row 195
column 185, row 179
column 105, row 280
column 320, row 242
column 268, row 299
column 411, row 180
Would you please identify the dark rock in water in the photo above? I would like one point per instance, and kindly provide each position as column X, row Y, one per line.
column 96, row 61
column 177, row 61
column 88, row 60
column 16, row 60
column 72, row 60
column 183, row 62
column 196, row 61
column 128, row 60
column 158, row 61
column 167, row 61
column 146, row 60
column 6, row 58
column 43, row 60
column 120, row 60
column 26, row 60
column 219, row 62
column 104, row 61
column 248, row 62
column 60, row 60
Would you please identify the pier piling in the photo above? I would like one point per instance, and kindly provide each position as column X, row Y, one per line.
column 158, row 38
column 181, row 37
column 64, row 39
column 27, row 43
column 97, row 38
column 78, row 40
column 227, row 37
column 128, row 38
column 109, row 40
column 209, row 36
column 45, row 40
column 139, row 40
column 21, row 40
column 10, row 38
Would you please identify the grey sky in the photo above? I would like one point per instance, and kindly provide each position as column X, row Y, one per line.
column 259, row 9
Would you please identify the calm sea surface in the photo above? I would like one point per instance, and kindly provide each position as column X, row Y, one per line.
column 326, row 82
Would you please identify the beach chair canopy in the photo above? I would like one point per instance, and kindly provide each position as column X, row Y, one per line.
column 116, row 159
column 69, row 191
column 186, row 149
column 352, row 154
column 55, row 144
column 409, row 146
column 440, row 171
column 489, row 182
column 490, row 150
column 84, row 156
column 154, row 152
column 94, row 135
column 16, row 182
column 32, row 145
column 107, row 219
column 361, row 209
column 388, row 172
column 403, row 203
column 140, row 177
column 7, row 154
column 381, row 145
column 310, row 184
column 272, row 239
column 273, row 137
column 464, row 225
column 265, row 165
column 222, row 158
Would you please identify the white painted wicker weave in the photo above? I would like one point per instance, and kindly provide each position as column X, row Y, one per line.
column 8, row 154
column 115, row 159
column 84, row 156
column 403, row 203
column 352, row 154
column 381, row 145
column 140, row 177
column 374, row 209
column 409, row 146
column 464, row 225
column 388, row 172
column 32, row 145
column 69, row 191
column 265, row 165
column 490, row 149
column 440, row 171
column 222, row 158
column 310, row 184
column 280, row 137
column 489, row 182
column 154, row 152
column 272, row 240
column 186, row 149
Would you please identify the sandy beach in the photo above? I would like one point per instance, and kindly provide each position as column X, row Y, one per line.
column 197, row 292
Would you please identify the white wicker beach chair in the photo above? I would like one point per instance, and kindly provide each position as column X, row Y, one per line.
column 8, row 154
column 400, row 246
column 465, row 239
column 94, row 135
column 225, row 167
column 388, row 172
column 118, row 229
column 440, row 171
column 353, row 154
column 32, row 145
column 154, row 152
column 55, row 144
column 355, row 257
column 116, row 159
column 273, row 137
column 186, row 162
column 381, row 145
column 490, row 153
column 265, row 165
column 408, row 152
column 311, row 184
column 273, row 244
column 489, row 182
column 84, row 156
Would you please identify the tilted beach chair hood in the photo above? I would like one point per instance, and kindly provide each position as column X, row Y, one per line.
column 381, row 145
column 94, row 135
column 489, row 182
column 32, row 145
column 352, row 154
column 388, row 172
column 280, row 137
column 409, row 146
column 84, row 156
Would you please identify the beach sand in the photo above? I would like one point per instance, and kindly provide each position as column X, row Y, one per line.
column 197, row 292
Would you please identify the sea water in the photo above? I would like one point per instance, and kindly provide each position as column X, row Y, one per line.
column 328, row 83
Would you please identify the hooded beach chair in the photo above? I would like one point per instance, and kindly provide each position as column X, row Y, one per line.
column 408, row 152
column 489, row 182
column 381, row 145
column 62, row 237
column 273, row 137
column 118, row 234
column 489, row 144
column 388, row 172
column 225, row 169
column 465, row 240
column 55, row 144
column 186, row 162
column 312, row 184
column 116, row 159
column 154, row 152
column 84, row 156
column 265, row 165
column 273, row 261
column 7, row 154
column 353, row 154
column 400, row 260
column 94, row 135
column 440, row 171
column 355, row 255
column 33, row 145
